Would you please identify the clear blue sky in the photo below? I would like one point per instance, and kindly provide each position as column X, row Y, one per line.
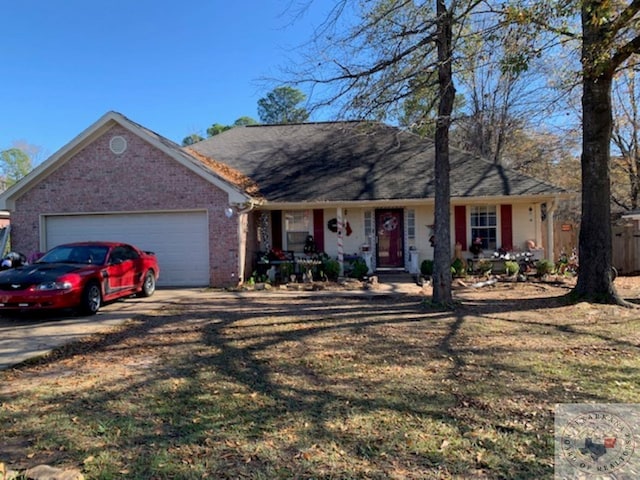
column 175, row 67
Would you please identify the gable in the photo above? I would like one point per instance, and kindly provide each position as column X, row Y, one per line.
column 142, row 177
column 148, row 148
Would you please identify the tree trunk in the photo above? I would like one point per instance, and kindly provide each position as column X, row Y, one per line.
column 442, row 250
column 595, row 282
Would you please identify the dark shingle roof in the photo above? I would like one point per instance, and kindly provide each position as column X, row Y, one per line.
column 355, row 161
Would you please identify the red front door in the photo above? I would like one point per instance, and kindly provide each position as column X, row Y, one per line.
column 389, row 229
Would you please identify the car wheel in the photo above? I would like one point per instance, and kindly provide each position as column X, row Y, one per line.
column 148, row 285
column 91, row 299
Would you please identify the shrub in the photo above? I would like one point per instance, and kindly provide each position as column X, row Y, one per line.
column 458, row 268
column 286, row 269
column 484, row 266
column 511, row 268
column 544, row 267
column 331, row 268
column 359, row 269
column 426, row 268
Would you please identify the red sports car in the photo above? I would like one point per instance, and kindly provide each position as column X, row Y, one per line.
column 82, row 276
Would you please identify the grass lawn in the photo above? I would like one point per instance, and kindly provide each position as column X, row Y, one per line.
column 266, row 387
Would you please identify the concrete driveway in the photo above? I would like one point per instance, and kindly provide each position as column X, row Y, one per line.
column 27, row 336
column 31, row 335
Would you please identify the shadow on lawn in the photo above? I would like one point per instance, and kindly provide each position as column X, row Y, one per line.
column 254, row 386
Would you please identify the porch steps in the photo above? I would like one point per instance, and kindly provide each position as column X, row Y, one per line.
column 395, row 276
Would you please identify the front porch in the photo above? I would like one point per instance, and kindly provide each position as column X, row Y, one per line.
column 285, row 244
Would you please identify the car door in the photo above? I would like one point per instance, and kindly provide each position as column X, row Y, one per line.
column 123, row 266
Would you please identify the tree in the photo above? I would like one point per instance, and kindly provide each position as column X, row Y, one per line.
column 625, row 165
column 217, row 128
column 447, row 92
column 15, row 165
column 609, row 38
column 281, row 106
column 34, row 152
column 395, row 49
column 503, row 95
column 191, row 139
column 244, row 121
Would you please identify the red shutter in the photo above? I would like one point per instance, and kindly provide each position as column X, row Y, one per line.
column 460, row 216
column 318, row 229
column 506, row 227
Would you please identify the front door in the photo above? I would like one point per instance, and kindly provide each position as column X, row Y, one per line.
column 389, row 228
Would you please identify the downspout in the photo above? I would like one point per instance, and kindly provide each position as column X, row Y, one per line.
column 550, row 254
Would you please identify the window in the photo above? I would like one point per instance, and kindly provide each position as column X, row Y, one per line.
column 121, row 254
column 484, row 221
column 411, row 224
column 368, row 224
column 296, row 225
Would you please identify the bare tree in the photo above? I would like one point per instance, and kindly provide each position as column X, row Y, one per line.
column 609, row 38
column 503, row 94
column 396, row 48
column 625, row 164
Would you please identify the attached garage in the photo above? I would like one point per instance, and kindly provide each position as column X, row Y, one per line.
column 118, row 181
column 179, row 239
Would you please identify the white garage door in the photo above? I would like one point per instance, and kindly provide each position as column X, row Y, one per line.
column 179, row 239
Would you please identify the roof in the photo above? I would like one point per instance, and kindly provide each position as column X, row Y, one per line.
column 239, row 188
column 356, row 161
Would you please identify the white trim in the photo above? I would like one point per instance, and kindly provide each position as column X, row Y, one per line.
column 498, row 226
column 412, row 202
column 118, row 144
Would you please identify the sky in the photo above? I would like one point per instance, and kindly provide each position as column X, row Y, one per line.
column 175, row 67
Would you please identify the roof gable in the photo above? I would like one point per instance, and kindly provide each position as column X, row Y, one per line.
column 235, row 189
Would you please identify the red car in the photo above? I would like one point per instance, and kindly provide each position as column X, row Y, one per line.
column 81, row 276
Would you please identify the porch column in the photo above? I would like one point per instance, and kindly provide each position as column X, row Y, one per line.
column 242, row 248
column 340, row 240
column 551, row 208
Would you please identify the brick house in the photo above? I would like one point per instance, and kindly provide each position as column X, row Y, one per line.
column 206, row 210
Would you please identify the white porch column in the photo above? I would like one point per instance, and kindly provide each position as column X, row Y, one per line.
column 551, row 208
column 242, row 220
column 340, row 240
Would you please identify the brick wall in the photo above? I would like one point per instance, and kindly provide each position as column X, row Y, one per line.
column 143, row 179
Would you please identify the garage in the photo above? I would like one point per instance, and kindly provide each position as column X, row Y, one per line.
column 179, row 239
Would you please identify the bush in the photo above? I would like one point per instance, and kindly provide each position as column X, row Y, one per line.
column 484, row 266
column 359, row 269
column 511, row 268
column 458, row 268
column 544, row 267
column 426, row 268
column 331, row 268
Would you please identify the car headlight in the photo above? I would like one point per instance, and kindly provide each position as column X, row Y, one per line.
column 48, row 286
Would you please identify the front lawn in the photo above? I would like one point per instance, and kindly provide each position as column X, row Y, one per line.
column 271, row 387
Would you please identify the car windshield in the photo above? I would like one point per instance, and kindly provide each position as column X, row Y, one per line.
column 88, row 254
